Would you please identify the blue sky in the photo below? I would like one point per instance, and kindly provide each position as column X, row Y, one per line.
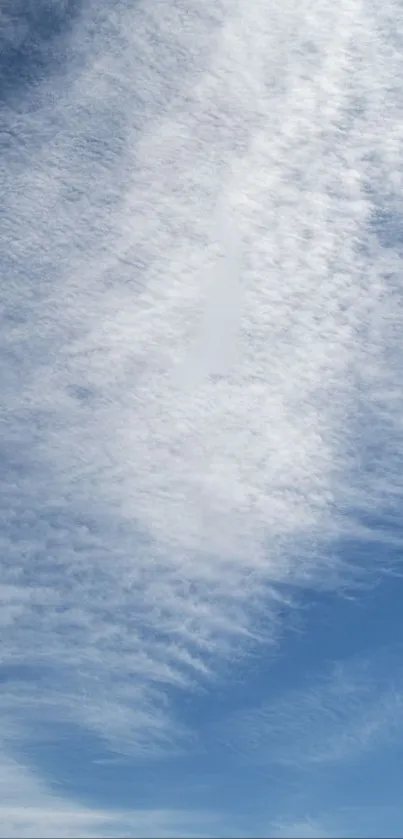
column 201, row 397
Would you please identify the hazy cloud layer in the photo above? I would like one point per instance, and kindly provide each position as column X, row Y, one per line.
column 201, row 337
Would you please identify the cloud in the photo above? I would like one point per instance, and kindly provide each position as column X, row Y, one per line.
column 338, row 717
column 215, row 351
column 372, row 820
column 183, row 156
column 30, row 808
column 304, row 829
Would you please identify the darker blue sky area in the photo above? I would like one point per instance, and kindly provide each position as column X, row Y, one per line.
column 33, row 41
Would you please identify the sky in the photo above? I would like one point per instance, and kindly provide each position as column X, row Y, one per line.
column 201, row 379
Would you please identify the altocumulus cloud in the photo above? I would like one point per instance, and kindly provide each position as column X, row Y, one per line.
column 201, row 337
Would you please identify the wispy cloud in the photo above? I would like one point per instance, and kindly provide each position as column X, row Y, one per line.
column 341, row 715
column 367, row 820
column 304, row 828
column 29, row 808
column 183, row 154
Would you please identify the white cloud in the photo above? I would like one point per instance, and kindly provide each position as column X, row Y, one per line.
column 145, row 512
column 28, row 808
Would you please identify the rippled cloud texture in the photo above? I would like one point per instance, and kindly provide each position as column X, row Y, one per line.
column 201, row 395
